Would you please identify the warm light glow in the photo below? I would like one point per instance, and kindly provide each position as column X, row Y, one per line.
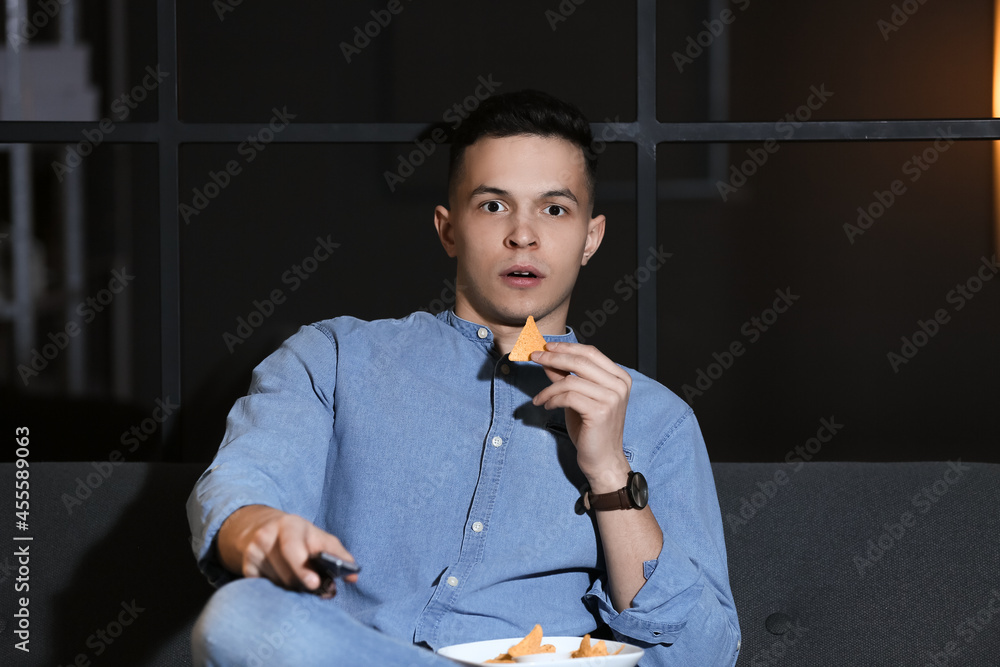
column 996, row 114
column 996, row 59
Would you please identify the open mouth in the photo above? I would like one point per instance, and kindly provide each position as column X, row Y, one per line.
column 522, row 276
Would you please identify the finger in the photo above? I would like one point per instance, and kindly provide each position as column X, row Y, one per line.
column 253, row 559
column 574, row 383
column 320, row 540
column 576, row 353
column 591, row 353
column 554, row 374
column 573, row 361
column 583, row 405
column 252, row 532
column 290, row 560
column 561, row 366
column 270, row 568
column 286, row 560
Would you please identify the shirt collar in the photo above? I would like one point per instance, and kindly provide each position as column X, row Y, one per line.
column 479, row 333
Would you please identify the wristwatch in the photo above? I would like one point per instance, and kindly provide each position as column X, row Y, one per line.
column 634, row 495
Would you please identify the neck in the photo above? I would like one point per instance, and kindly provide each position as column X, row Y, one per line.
column 506, row 329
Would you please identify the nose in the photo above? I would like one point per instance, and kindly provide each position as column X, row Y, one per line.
column 522, row 235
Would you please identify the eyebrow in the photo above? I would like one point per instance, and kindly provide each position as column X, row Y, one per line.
column 488, row 189
column 560, row 193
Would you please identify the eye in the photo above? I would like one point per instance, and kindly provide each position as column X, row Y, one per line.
column 493, row 206
column 555, row 210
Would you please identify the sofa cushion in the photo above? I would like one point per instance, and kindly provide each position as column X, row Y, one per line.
column 864, row 563
column 112, row 577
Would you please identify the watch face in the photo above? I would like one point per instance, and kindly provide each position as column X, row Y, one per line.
column 638, row 490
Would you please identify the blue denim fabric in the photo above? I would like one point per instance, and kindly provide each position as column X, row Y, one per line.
column 254, row 623
column 416, row 444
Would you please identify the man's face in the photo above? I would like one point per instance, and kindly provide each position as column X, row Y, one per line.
column 520, row 227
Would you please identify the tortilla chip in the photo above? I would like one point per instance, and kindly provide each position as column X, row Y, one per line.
column 529, row 341
column 588, row 651
column 532, row 643
column 585, row 650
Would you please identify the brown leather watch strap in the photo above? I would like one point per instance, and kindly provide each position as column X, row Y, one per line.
column 634, row 495
column 616, row 500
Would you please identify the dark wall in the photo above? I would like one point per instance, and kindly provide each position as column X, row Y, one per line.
column 825, row 358
column 783, row 228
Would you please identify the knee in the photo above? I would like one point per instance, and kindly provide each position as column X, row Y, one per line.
column 238, row 617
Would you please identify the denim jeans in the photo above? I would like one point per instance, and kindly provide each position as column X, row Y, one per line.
column 255, row 623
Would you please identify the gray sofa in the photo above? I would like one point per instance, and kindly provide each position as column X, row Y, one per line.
column 830, row 564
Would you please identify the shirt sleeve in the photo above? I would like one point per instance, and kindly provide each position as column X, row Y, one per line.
column 276, row 445
column 684, row 614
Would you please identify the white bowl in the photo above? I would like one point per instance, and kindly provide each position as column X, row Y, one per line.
column 477, row 653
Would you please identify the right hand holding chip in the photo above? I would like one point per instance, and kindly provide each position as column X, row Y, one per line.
column 260, row 541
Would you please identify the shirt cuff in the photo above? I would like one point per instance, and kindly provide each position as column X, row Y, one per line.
column 205, row 520
column 211, row 566
column 205, row 545
column 706, row 637
column 664, row 605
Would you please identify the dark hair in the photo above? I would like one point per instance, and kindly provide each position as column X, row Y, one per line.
column 524, row 112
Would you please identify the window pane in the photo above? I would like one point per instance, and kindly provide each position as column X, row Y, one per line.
column 847, row 282
column 868, row 60
column 359, row 62
column 80, row 301
column 83, row 61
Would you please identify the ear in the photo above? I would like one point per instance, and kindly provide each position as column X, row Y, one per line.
column 595, row 234
column 445, row 229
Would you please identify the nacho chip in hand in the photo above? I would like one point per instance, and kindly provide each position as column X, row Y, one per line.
column 529, row 341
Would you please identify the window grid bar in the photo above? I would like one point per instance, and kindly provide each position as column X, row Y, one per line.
column 169, row 201
column 645, row 194
column 640, row 132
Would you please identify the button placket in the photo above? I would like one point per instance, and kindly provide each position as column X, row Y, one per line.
column 473, row 545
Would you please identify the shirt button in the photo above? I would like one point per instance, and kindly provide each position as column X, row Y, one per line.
column 483, row 332
column 477, row 527
column 452, row 581
column 505, row 369
column 497, row 441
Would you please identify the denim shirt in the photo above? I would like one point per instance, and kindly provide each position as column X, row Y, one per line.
column 416, row 443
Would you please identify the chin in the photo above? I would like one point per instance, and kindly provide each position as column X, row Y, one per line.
column 512, row 312
column 520, row 312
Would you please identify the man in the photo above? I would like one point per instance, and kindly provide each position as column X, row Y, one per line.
column 479, row 495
